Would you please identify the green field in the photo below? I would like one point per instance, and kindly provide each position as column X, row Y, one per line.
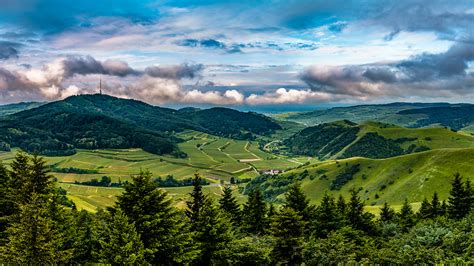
column 215, row 158
column 412, row 176
column 92, row 198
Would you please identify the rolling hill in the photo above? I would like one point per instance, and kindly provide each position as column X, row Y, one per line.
column 412, row 176
column 9, row 109
column 102, row 121
column 402, row 114
column 344, row 139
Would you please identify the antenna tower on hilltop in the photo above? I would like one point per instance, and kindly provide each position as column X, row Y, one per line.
column 100, row 86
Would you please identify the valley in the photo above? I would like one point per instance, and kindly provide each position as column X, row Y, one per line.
column 384, row 161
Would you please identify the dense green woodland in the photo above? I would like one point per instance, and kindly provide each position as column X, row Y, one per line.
column 102, row 121
column 39, row 225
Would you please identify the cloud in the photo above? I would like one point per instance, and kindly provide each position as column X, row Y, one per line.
column 284, row 96
column 9, row 50
column 189, row 71
column 445, row 18
column 84, row 65
column 418, row 75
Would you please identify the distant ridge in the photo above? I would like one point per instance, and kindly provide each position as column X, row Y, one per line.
column 399, row 113
column 103, row 121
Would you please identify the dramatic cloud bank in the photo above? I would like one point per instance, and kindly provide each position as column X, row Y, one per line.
column 424, row 74
column 299, row 52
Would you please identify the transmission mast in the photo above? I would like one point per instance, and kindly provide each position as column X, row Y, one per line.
column 100, row 86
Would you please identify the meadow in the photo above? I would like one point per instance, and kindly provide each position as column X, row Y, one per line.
column 214, row 158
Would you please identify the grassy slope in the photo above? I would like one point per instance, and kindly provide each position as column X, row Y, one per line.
column 438, row 137
column 412, row 176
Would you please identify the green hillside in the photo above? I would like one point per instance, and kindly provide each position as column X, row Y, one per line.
column 455, row 116
column 102, row 121
column 412, row 176
column 9, row 109
column 344, row 139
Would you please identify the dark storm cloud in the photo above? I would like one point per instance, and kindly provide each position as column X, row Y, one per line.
column 84, row 65
column 189, row 71
column 9, row 50
column 380, row 74
column 431, row 66
column 443, row 71
column 444, row 18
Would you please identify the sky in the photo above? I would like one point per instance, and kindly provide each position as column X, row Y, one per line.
column 239, row 53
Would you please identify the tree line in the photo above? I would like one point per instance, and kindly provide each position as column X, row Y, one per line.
column 39, row 226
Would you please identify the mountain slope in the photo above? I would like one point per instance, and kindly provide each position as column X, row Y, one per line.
column 403, row 114
column 455, row 117
column 344, row 139
column 9, row 109
column 101, row 121
column 412, row 176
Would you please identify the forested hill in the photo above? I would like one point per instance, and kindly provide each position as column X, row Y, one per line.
column 456, row 116
column 9, row 109
column 344, row 139
column 102, row 121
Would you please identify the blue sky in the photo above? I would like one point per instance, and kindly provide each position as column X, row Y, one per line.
column 238, row 53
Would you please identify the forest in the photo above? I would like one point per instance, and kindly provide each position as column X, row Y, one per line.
column 39, row 225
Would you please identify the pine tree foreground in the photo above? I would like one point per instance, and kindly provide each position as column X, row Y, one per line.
column 41, row 226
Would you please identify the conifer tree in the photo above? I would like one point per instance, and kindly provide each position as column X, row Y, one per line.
column 32, row 236
column 386, row 213
column 213, row 233
column 254, row 213
column 327, row 218
column 193, row 212
column 41, row 182
column 121, row 244
column 444, row 208
column 436, row 209
column 406, row 216
column 86, row 240
column 271, row 211
column 296, row 199
column 341, row 207
column 7, row 207
column 19, row 174
column 287, row 228
column 469, row 195
column 458, row 207
column 161, row 227
column 228, row 203
column 425, row 211
column 355, row 213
